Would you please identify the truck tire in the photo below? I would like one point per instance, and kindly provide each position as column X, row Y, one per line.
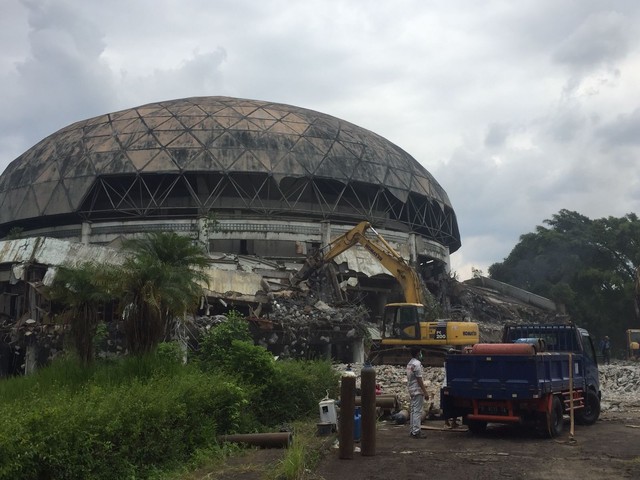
column 591, row 411
column 555, row 420
column 477, row 426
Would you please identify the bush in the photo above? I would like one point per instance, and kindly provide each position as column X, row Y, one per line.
column 298, row 386
column 131, row 417
column 216, row 343
column 125, row 430
column 280, row 391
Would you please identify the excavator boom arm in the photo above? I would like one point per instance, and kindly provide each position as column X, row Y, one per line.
column 384, row 253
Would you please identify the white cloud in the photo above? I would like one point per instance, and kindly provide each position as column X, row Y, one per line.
column 519, row 109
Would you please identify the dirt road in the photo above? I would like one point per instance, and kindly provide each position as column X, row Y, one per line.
column 608, row 450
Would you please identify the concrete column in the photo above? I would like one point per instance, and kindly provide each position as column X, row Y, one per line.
column 203, row 234
column 325, row 233
column 180, row 336
column 30, row 359
column 358, row 351
column 413, row 249
column 447, row 267
column 86, row 233
column 327, row 352
column 382, row 300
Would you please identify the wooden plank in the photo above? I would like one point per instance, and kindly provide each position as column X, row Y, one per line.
column 462, row 428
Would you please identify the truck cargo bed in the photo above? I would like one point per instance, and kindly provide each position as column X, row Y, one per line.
column 508, row 377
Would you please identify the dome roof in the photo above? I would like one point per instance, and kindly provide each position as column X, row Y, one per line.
column 186, row 156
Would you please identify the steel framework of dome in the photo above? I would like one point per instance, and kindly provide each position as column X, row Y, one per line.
column 235, row 157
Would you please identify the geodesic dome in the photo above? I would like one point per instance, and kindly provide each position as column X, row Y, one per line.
column 235, row 157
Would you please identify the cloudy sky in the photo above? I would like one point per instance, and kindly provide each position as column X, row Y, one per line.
column 518, row 108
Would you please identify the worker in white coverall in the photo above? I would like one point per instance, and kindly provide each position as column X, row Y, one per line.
column 417, row 391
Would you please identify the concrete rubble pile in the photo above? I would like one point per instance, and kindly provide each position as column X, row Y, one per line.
column 303, row 329
column 492, row 309
column 392, row 380
column 619, row 382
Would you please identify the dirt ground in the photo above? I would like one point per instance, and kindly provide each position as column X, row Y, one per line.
column 610, row 449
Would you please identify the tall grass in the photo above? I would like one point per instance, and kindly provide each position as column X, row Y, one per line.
column 303, row 455
column 69, row 374
column 138, row 416
column 121, row 420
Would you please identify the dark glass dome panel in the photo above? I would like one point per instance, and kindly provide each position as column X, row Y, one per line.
column 271, row 159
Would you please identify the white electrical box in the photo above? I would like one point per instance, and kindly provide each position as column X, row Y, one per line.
column 328, row 412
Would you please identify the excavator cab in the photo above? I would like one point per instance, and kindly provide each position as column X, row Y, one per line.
column 402, row 321
column 406, row 322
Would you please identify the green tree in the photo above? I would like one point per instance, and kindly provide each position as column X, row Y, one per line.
column 81, row 291
column 160, row 282
column 586, row 265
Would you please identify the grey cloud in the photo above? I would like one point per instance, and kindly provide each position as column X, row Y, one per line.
column 497, row 134
column 602, row 38
column 623, row 131
column 61, row 79
column 199, row 75
column 566, row 125
column 572, row 181
column 488, row 197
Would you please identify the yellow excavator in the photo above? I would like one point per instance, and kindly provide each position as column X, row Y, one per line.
column 403, row 324
column 633, row 344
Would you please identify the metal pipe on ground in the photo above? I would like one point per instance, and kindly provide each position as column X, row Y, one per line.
column 262, row 440
column 387, row 402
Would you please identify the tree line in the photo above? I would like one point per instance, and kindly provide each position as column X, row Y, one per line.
column 588, row 267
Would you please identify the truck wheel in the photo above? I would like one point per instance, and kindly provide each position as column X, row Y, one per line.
column 591, row 411
column 555, row 418
column 477, row 426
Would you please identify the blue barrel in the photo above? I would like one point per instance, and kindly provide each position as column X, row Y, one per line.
column 357, row 424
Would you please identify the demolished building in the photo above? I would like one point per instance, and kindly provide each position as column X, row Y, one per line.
column 260, row 185
column 289, row 322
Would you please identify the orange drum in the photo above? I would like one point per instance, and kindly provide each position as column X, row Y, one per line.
column 503, row 349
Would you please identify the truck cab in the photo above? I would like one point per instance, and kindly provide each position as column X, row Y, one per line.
column 566, row 338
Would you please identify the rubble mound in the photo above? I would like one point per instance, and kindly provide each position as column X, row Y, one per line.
column 298, row 329
column 491, row 309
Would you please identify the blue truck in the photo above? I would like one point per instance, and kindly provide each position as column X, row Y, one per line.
column 536, row 376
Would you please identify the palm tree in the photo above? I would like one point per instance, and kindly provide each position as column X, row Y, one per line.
column 81, row 291
column 160, row 282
